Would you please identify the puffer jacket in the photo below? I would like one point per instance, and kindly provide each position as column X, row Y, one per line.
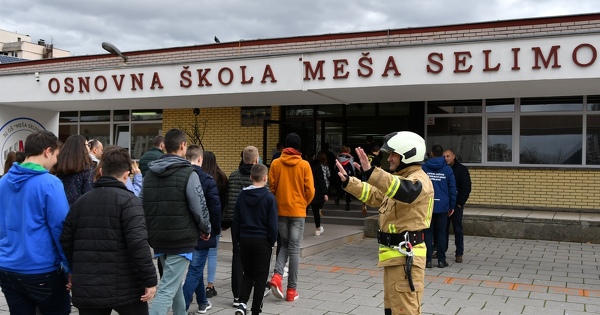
column 238, row 179
column 106, row 243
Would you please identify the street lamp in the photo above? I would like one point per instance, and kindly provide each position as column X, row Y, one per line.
column 113, row 50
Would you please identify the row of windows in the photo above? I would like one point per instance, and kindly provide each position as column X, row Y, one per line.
column 556, row 131
column 131, row 129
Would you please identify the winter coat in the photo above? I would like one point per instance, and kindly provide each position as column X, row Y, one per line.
column 174, row 205
column 291, row 181
column 463, row 183
column 33, row 207
column 238, row 179
column 255, row 214
column 444, row 184
column 320, row 185
column 213, row 203
column 106, row 243
column 77, row 184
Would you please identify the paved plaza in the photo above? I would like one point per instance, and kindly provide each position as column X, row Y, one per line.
column 498, row 276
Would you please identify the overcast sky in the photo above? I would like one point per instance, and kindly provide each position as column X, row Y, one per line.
column 80, row 26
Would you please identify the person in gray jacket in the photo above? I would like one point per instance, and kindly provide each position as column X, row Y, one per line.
column 176, row 217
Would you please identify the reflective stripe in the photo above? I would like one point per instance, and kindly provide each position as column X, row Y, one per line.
column 429, row 213
column 392, row 228
column 386, row 253
column 366, row 191
column 394, row 186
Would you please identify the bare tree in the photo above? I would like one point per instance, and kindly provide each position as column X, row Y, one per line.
column 195, row 132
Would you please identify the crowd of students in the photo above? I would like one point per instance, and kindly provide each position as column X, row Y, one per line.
column 82, row 223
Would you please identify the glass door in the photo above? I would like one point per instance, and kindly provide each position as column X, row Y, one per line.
column 332, row 132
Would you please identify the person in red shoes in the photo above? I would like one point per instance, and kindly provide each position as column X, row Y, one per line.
column 291, row 181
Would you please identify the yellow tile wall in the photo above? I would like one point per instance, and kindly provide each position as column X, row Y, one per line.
column 223, row 133
column 536, row 188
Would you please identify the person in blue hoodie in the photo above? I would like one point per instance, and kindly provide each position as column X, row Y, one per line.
column 444, row 188
column 194, row 280
column 33, row 208
column 255, row 226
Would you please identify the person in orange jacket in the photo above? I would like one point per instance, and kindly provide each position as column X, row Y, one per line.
column 291, row 181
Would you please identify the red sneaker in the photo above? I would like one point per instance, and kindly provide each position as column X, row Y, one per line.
column 291, row 295
column 275, row 285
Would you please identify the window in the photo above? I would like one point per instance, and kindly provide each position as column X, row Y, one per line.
column 95, row 115
column 134, row 130
column 506, row 105
column 552, row 104
column 254, row 116
column 499, row 140
column 548, row 131
column 551, row 139
column 593, row 140
column 461, row 134
column 146, row 114
column 454, row 107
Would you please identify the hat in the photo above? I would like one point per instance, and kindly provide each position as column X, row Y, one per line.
column 292, row 141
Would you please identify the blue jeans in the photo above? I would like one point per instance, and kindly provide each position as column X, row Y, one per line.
column 169, row 290
column 212, row 262
column 46, row 291
column 291, row 231
column 194, row 281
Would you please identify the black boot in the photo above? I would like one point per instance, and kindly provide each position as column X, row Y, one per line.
column 347, row 206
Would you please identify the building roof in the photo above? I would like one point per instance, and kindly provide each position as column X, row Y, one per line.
column 9, row 59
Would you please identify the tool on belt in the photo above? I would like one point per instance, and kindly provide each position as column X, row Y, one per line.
column 406, row 240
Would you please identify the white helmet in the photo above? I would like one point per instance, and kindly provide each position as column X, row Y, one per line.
column 409, row 145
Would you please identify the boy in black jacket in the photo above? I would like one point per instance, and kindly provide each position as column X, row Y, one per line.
column 255, row 225
column 194, row 280
column 106, row 243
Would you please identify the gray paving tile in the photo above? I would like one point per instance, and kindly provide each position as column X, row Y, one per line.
column 499, row 276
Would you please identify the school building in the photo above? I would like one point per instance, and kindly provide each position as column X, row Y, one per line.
column 517, row 100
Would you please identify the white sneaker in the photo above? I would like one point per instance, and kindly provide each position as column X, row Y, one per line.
column 319, row 231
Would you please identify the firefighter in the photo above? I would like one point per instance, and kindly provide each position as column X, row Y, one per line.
column 405, row 200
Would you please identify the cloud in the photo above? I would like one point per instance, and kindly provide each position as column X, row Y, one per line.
column 81, row 26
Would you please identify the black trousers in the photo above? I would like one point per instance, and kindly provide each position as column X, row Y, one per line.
column 256, row 259
column 236, row 267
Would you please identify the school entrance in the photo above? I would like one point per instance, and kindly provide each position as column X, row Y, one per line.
column 340, row 125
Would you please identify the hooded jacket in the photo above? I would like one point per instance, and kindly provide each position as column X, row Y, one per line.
column 291, row 181
column 255, row 214
column 106, row 243
column 33, row 207
column 213, row 203
column 444, row 184
column 174, row 205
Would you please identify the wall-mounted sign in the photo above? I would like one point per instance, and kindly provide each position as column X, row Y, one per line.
column 14, row 133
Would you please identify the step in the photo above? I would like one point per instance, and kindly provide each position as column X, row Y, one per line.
column 334, row 236
column 522, row 224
